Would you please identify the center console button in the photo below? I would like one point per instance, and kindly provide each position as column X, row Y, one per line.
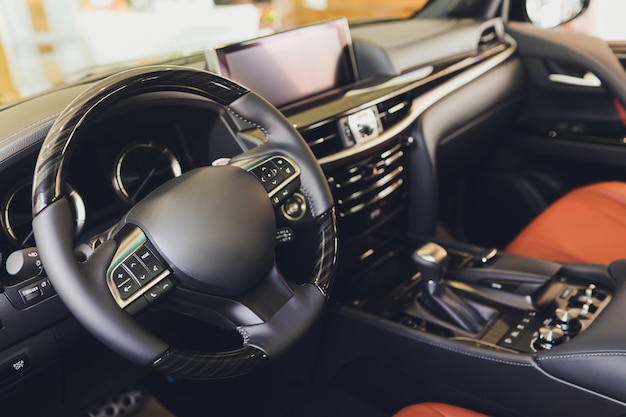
column 590, row 291
column 587, row 308
column 548, row 337
column 15, row 366
column 567, row 320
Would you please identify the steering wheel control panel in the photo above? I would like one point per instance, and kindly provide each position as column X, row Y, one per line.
column 278, row 174
column 136, row 277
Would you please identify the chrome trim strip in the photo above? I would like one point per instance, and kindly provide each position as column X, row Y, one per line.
column 397, row 107
column 321, row 139
column 384, row 193
column 392, row 159
column 375, row 186
column 588, row 80
column 424, row 101
column 387, row 159
column 352, row 180
column 391, row 151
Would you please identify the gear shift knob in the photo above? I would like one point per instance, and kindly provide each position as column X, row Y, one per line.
column 432, row 261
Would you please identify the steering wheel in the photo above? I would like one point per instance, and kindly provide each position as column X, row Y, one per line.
column 208, row 234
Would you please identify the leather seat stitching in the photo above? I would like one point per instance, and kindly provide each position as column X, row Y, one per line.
column 37, row 123
column 581, row 355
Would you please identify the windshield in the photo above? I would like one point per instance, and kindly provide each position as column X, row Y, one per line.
column 48, row 43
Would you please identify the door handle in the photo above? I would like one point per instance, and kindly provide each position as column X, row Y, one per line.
column 588, row 80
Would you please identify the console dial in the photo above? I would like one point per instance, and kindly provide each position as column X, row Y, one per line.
column 141, row 167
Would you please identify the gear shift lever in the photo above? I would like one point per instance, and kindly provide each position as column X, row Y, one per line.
column 432, row 261
column 436, row 302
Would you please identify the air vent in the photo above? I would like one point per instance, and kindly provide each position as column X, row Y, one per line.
column 369, row 191
column 488, row 38
column 323, row 139
column 393, row 110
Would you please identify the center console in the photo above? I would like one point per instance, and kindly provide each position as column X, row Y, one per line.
column 528, row 305
column 551, row 343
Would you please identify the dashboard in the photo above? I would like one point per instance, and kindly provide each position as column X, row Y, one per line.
column 387, row 137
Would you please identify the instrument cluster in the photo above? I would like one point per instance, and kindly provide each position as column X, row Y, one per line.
column 119, row 162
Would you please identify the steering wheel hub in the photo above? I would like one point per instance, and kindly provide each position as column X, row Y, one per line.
column 214, row 226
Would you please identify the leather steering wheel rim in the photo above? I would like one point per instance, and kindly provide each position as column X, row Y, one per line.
column 82, row 286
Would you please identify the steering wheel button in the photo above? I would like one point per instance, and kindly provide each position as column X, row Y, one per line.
column 128, row 288
column 286, row 168
column 138, row 269
column 260, row 172
column 120, row 276
column 154, row 268
column 165, row 286
column 152, row 265
column 152, row 294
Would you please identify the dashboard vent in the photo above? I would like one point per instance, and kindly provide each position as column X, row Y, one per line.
column 394, row 109
column 488, row 38
column 323, row 139
column 369, row 191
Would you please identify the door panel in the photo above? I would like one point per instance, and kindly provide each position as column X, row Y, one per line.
column 571, row 131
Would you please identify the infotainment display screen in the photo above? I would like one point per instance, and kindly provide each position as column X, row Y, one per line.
column 290, row 66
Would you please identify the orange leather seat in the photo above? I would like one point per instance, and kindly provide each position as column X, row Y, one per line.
column 587, row 225
column 436, row 410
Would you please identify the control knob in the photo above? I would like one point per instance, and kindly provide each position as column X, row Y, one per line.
column 24, row 263
column 549, row 336
column 567, row 320
column 587, row 295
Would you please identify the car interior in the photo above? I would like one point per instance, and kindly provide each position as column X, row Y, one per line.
column 404, row 217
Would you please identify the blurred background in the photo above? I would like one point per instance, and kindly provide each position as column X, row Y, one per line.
column 45, row 43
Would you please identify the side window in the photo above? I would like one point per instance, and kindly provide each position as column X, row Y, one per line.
column 603, row 18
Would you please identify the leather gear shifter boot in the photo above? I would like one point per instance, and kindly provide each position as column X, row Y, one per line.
column 436, row 303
